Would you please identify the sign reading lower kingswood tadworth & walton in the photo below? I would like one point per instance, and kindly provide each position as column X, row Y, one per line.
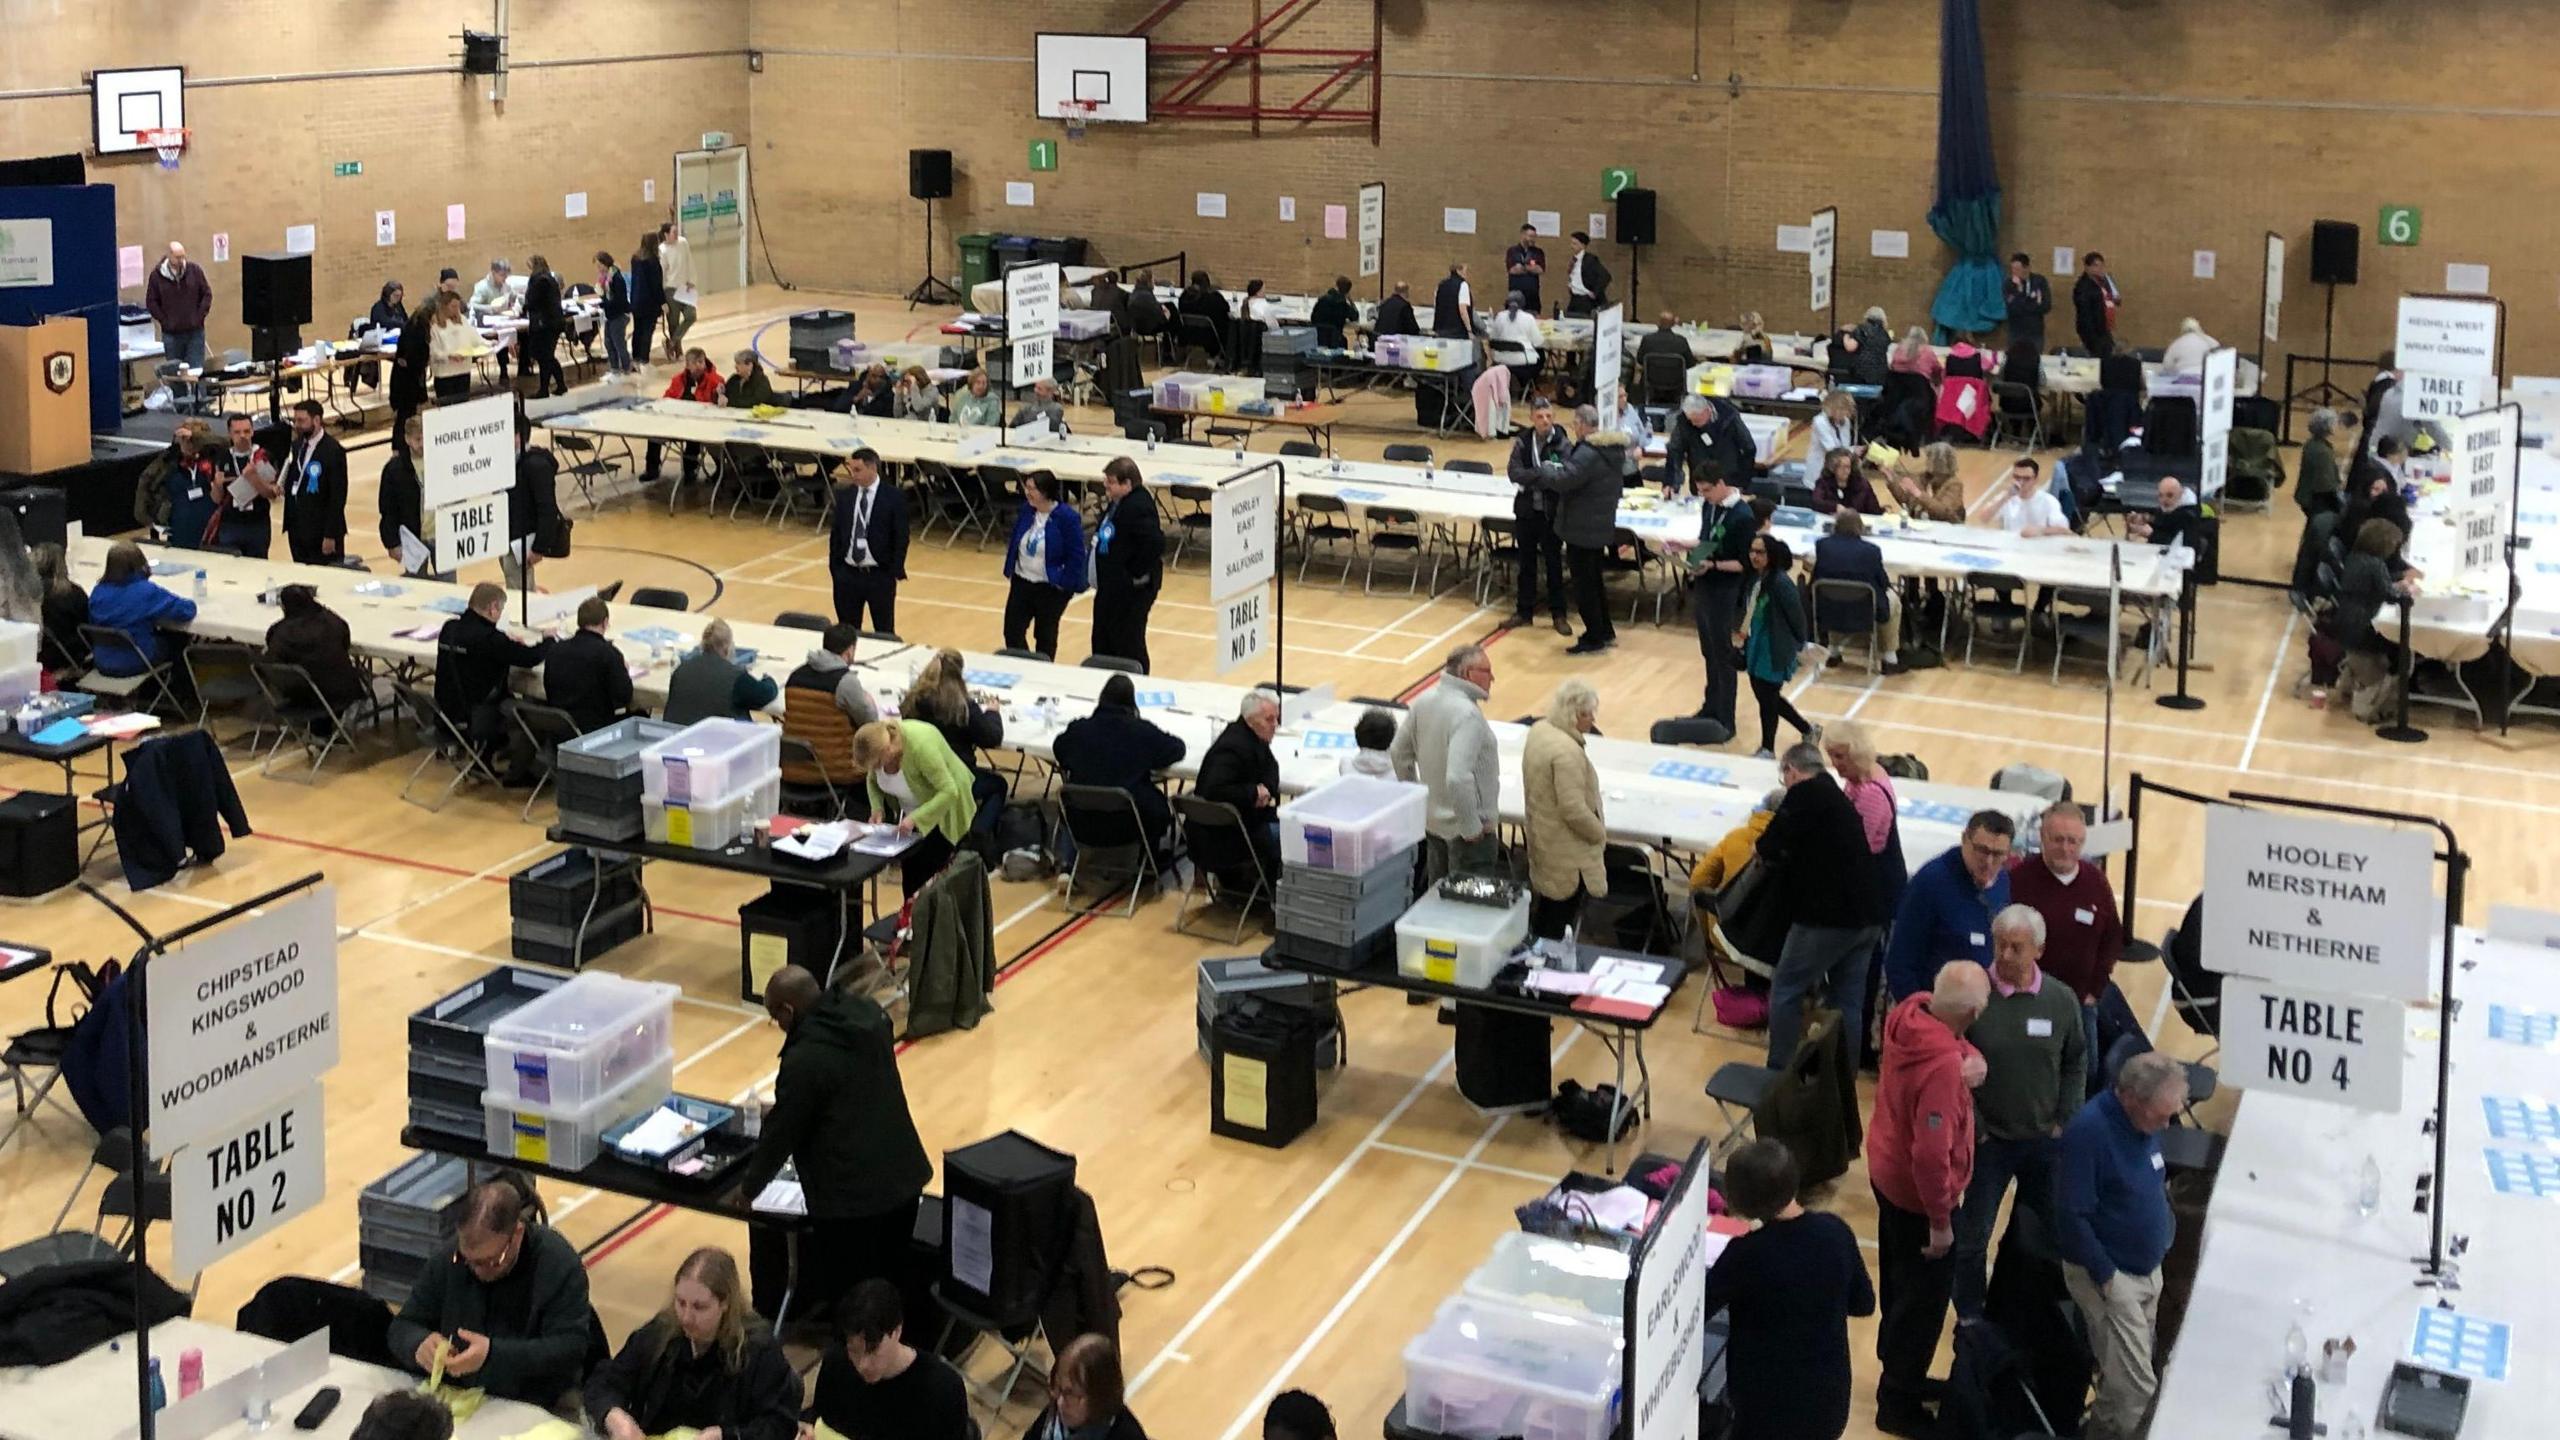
column 2337, row 906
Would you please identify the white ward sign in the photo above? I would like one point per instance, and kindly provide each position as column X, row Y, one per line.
column 2341, row 907
column 242, row 1017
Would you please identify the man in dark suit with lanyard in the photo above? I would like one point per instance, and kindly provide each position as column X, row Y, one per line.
column 867, row 551
column 1523, row 265
column 315, row 491
column 1128, row 563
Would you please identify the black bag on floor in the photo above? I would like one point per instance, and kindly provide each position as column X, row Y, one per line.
column 1584, row 1114
column 1690, row 730
column 1502, row 1058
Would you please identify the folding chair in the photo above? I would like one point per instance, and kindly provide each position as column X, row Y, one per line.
column 1995, row 596
column 583, row 462
column 545, row 728
column 445, row 741
column 1034, row 1337
column 146, row 690
column 946, row 501
column 1469, row 467
column 1304, row 448
column 1742, row 1091
column 822, row 800
column 1497, row 555
column 33, row 1058
column 1407, row 454
column 2088, row 623
column 1849, row 597
column 1111, row 843
column 1665, row 379
column 1400, row 531
column 802, row 620
column 1201, row 336
column 1326, row 520
column 302, row 713
column 1213, row 835
column 1194, row 519
column 1629, row 555
column 58, row 1246
column 662, row 597
column 220, row 672
column 802, row 485
column 1121, row 663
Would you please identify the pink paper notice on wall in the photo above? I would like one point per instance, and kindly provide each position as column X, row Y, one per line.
column 1337, row 222
column 129, row 266
column 453, row 222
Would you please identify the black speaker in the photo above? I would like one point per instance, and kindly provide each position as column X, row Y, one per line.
column 1635, row 216
column 480, row 52
column 275, row 291
column 274, row 342
column 2333, row 252
column 929, row 174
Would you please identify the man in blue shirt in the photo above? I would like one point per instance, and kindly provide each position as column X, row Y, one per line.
column 1946, row 910
column 2113, row 1226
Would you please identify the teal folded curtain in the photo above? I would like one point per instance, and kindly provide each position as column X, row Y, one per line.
column 1967, row 212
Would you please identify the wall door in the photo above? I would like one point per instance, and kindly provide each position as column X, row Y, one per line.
column 711, row 209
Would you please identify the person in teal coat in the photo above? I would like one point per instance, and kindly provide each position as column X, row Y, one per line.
column 1775, row 631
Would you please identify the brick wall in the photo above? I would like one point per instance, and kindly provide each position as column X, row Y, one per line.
column 2148, row 130
column 263, row 153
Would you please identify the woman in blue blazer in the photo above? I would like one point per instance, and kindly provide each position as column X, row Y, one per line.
column 1046, row 562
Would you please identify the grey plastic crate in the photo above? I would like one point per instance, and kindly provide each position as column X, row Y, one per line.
column 560, row 937
column 1288, row 339
column 603, row 825
column 414, row 1209
column 558, row 889
column 603, row 933
column 456, row 1024
column 394, row 1293
column 1360, row 954
column 1335, row 922
column 1395, row 876
column 613, row 751
column 604, row 795
column 449, row 1068
column 471, row 1124
column 1226, row 980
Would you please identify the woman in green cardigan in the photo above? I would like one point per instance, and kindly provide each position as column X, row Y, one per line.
column 909, row 762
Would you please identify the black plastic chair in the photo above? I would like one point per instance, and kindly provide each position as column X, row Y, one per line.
column 1408, row 454
column 1469, row 467
column 1325, row 520
column 821, row 801
column 147, row 689
column 546, row 728
column 1111, row 843
column 1998, row 597
column 1400, row 531
column 1665, row 378
column 1307, row 448
column 303, row 713
column 1855, row 602
column 662, row 597
column 801, row 620
column 445, row 741
column 1223, row 859
column 220, row 672
column 1121, row 663
column 1194, row 519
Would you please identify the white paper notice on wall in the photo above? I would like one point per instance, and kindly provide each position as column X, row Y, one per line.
column 221, row 246
column 576, row 207
column 301, row 239
column 1795, row 239
column 2062, row 261
column 1209, row 205
column 2467, row 279
column 1017, row 193
column 1596, row 225
column 2204, row 264
column 1546, row 222
column 1288, row 207
column 1889, row 244
column 649, row 192
column 129, row 266
column 386, row 227
column 453, row 222
column 1458, row 222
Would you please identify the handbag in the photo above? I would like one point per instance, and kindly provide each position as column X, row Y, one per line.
column 551, row 537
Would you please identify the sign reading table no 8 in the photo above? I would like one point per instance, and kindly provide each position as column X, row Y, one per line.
column 2337, row 907
column 242, row 1018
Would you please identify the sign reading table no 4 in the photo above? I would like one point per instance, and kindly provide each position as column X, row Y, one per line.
column 2337, row 907
column 242, row 1019
column 2340, row 1048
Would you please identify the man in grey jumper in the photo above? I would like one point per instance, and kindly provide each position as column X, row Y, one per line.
column 1448, row 746
column 2036, row 1061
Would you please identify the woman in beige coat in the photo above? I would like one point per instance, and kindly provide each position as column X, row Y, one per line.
column 1567, row 834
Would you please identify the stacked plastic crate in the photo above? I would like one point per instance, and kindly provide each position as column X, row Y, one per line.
column 577, row 1062
column 405, row 1222
column 1347, row 867
column 549, row 900
column 1528, row 1346
column 448, row 1064
column 598, row 778
column 712, row 784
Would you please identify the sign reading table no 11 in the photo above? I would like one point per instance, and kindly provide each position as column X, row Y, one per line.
column 242, row 1019
column 2331, row 906
column 2484, row 466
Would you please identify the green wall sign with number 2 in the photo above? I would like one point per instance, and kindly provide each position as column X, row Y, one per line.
column 2399, row 225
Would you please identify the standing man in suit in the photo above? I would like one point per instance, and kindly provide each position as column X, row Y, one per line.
column 1128, row 563
column 1523, row 265
column 2028, row 299
column 315, row 491
column 867, row 554
column 2094, row 299
column 1586, row 280
column 542, row 322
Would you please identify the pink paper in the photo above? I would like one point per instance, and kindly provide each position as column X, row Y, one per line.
column 1337, row 222
column 129, row 267
column 453, row 222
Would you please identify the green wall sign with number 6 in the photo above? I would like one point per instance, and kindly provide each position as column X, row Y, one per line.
column 2399, row 225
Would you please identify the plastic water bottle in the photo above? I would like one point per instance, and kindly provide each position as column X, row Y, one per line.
column 199, row 584
column 754, row 1116
column 2369, row 1187
column 2297, row 1350
column 159, row 1392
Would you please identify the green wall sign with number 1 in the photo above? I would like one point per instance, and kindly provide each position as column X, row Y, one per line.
column 1615, row 179
column 1044, row 154
column 2399, row 225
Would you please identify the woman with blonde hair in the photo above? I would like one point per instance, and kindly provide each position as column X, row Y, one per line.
column 1836, row 428
column 1755, row 348
column 977, row 402
column 1937, row 493
column 1568, row 835
column 1087, row 1400
column 707, row 1364
column 908, row 762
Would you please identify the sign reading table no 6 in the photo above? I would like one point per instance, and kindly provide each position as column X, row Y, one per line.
column 2337, row 907
column 242, row 1018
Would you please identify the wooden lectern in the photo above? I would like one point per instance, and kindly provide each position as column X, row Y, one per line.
column 44, row 395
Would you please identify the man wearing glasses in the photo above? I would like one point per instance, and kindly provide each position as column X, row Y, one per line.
column 1946, row 910
column 508, row 1312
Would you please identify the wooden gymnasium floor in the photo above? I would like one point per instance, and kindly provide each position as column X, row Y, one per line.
column 1311, row 1265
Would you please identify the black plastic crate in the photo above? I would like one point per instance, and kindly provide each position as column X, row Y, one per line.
column 603, row 795
column 603, row 933
column 415, row 1209
column 445, row 1094
column 471, row 1125
column 456, row 1024
column 1360, row 954
column 557, row 890
column 391, row 1264
column 605, row 825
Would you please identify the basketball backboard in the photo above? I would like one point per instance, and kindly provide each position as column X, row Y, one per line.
column 1091, row 77
column 125, row 103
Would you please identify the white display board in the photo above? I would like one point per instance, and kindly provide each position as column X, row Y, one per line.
column 1244, row 633
column 1109, row 72
column 469, row 450
column 2483, row 455
column 2221, row 382
column 1667, row 1313
column 471, row 532
column 2343, row 1049
column 2444, row 335
column 2272, row 320
column 26, row 253
column 2337, row 906
column 1244, row 523
column 1608, row 360
column 1819, row 259
column 1371, row 230
column 246, row 1179
column 1031, row 300
column 243, row 1017
column 124, row 103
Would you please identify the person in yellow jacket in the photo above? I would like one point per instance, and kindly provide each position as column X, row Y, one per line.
column 909, row 762
column 1716, row 868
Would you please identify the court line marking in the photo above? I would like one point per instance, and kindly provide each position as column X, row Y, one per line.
column 1393, row 626
column 1486, row 1166
column 1467, row 621
column 2267, row 693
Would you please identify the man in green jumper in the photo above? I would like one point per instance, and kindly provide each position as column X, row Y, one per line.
column 2037, row 1059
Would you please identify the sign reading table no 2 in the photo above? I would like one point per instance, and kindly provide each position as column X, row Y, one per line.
column 250, row 1177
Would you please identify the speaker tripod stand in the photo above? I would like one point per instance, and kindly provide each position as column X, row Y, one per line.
column 932, row 289
column 2322, row 393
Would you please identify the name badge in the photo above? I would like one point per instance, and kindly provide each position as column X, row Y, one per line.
column 2085, row 917
column 2158, row 1164
column 1978, row 938
column 2040, row 1028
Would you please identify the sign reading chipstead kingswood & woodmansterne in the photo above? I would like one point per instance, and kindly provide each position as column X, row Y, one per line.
column 242, row 1019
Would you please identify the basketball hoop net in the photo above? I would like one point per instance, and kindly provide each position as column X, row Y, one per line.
column 172, row 144
column 1077, row 114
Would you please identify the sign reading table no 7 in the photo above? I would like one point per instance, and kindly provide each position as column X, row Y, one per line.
column 242, row 1018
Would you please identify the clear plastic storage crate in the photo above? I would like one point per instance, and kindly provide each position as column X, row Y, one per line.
column 710, row 761
column 1538, row 1272
column 570, row 1137
column 1355, row 823
column 1485, row 1372
column 19, row 642
column 580, row 1041
column 1454, row 942
column 715, row 826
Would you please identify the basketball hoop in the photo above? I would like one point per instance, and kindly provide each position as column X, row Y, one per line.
column 1077, row 114
column 171, row 143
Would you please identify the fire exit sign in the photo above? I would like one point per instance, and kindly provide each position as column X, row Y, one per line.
column 345, row 168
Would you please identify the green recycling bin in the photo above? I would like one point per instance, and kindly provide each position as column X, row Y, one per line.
column 977, row 260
